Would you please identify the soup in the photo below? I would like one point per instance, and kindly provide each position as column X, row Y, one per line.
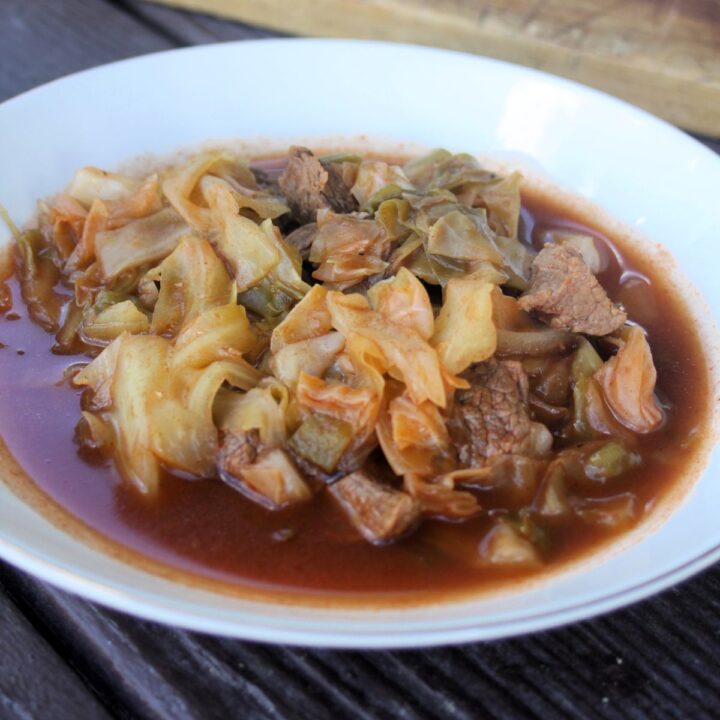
column 344, row 375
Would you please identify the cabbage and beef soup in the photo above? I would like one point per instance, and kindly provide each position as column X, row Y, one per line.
column 340, row 374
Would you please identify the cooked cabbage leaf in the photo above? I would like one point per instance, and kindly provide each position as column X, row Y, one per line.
column 218, row 333
column 312, row 356
column 628, row 384
column 403, row 300
column 464, row 330
column 127, row 378
column 91, row 183
column 138, row 243
column 375, row 176
column 308, row 319
column 38, row 275
column 115, row 320
column 249, row 252
column 408, row 356
column 265, row 408
column 192, row 280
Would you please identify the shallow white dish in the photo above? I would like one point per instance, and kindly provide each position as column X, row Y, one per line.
column 639, row 169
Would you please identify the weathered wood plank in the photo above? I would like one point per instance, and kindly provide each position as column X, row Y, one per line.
column 662, row 56
column 42, row 40
column 34, row 678
column 194, row 28
column 649, row 660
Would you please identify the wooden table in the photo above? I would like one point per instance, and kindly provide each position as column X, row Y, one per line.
column 62, row 657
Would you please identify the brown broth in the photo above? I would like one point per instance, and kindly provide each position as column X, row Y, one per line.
column 206, row 530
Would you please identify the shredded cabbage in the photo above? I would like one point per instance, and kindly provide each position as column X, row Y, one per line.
column 336, row 399
column 628, row 384
column 416, row 425
column 38, row 274
column 374, row 176
column 264, row 408
column 440, row 498
column 461, row 236
column 347, row 249
column 312, row 356
column 183, row 434
column 192, row 280
column 274, row 481
column 308, row 319
column 249, row 252
column 236, row 340
column 140, row 242
column 403, row 300
column 115, row 320
column 180, row 185
column 219, row 333
column 127, row 379
column 90, row 184
column 464, row 331
column 84, row 252
column 407, row 355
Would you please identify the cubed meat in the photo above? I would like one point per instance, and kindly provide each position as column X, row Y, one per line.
column 565, row 294
column 266, row 475
column 238, row 450
column 491, row 416
column 379, row 512
column 309, row 186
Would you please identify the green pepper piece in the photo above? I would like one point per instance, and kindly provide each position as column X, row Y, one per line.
column 340, row 157
column 266, row 300
column 322, row 440
column 611, row 460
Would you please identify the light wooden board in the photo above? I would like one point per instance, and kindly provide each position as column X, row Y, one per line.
column 663, row 55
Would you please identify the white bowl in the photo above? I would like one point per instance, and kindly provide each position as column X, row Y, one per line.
column 642, row 171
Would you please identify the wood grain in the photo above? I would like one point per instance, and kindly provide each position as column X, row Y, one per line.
column 31, row 673
column 657, row 659
column 44, row 40
column 663, row 55
column 192, row 28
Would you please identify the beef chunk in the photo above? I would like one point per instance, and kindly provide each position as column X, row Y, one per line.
column 491, row 416
column 378, row 511
column 265, row 475
column 302, row 239
column 568, row 296
column 237, row 451
column 309, row 186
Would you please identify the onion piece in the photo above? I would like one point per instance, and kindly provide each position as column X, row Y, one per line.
column 534, row 343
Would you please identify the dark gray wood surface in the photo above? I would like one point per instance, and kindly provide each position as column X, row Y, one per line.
column 63, row 657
